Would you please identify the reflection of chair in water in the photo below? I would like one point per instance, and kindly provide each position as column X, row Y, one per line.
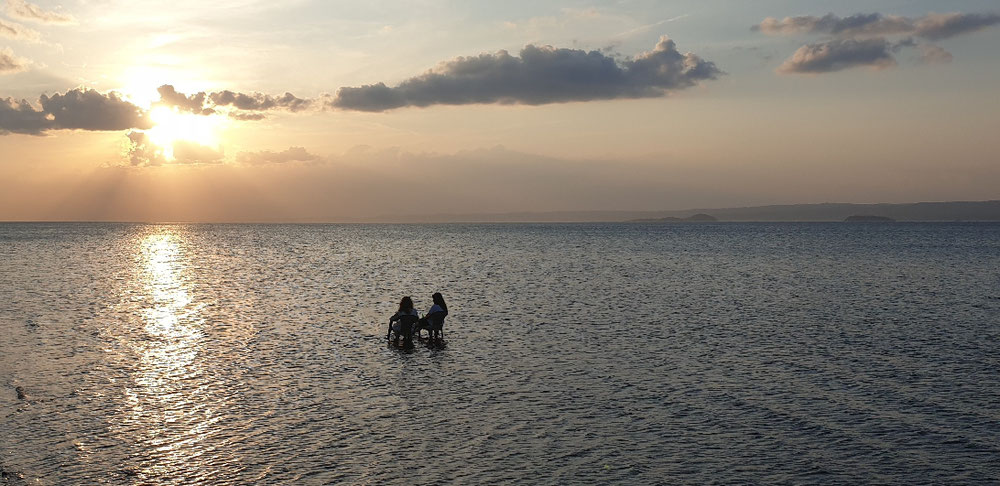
column 434, row 324
column 406, row 325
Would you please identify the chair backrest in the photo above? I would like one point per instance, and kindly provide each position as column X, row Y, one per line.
column 406, row 323
column 436, row 320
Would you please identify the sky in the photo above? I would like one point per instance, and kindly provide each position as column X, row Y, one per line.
column 302, row 110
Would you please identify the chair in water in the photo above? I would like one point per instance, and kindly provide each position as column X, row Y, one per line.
column 434, row 324
column 406, row 325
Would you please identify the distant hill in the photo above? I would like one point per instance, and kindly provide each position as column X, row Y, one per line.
column 696, row 218
column 863, row 218
column 922, row 211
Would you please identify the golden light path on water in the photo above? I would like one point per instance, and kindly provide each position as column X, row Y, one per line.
column 169, row 400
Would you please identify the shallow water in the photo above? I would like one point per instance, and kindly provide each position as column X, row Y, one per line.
column 583, row 354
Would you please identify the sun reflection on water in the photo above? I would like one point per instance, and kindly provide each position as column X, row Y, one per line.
column 171, row 317
column 167, row 413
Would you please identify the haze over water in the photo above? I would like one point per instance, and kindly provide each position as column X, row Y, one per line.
column 576, row 354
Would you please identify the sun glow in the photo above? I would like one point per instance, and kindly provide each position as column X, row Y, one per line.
column 139, row 83
column 171, row 126
column 173, row 130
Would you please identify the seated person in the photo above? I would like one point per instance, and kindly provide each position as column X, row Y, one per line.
column 405, row 309
column 438, row 307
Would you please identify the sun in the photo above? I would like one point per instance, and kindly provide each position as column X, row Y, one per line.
column 138, row 83
column 171, row 126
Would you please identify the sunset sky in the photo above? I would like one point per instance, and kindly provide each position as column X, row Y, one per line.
column 243, row 110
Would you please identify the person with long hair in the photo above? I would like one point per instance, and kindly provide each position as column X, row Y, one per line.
column 439, row 305
column 396, row 321
column 433, row 321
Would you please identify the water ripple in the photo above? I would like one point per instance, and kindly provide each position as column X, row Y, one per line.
column 583, row 354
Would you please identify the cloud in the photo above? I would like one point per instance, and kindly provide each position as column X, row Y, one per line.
column 141, row 151
column 18, row 32
column 28, row 11
column 194, row 103
column 932, row 26
column 292, row 154
column 540, row 75
column 931, row 54
column 259, row 101
column 861, row 38
column 858, row 24
column 90, row 110
column 839, row 54
column 20, row 117
column 77, row 109
column 250, row 105
column 9, row 63
column 943, row 26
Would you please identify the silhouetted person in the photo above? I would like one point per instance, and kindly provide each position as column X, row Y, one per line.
column 402, row 321
column 433, row 321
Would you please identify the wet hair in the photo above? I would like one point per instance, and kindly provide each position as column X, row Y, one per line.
column 439, row 301
column 406, row 304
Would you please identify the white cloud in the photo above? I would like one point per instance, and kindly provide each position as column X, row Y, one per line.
column 839, row 54
column 10, row 63
column 23, row 10
column 18, row 32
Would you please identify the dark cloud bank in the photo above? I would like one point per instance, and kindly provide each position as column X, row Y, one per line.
column 539, row 75
column 252, row 104
column 861, row 39
column 88, row 109
column 931, row 26
column 77, row 109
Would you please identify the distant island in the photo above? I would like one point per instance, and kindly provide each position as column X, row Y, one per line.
column 695, row 218
column 922, row 211
column 832, row 212
column 864, row 218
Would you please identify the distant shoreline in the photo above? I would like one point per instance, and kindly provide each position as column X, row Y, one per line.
column 436, row 223
column 925, row 212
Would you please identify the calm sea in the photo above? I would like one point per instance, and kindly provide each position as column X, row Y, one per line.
column 575, row 354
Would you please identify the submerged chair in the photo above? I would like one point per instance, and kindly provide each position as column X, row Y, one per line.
column 435, row 324
column 406, row 325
